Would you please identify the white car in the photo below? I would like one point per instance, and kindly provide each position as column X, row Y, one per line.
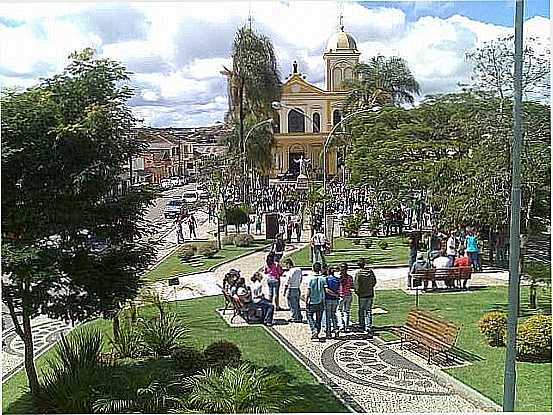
column 175, row 181
column 173, row 209
column 166, row 184
column 190, row 197
column 203, row 194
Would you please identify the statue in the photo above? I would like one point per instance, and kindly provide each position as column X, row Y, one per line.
column 295, row 65
column 303, row 165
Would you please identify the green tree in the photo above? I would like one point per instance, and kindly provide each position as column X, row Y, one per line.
column 379, row 82
column 64, row 144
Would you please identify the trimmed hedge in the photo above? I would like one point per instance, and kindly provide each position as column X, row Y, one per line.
column 534, row 338
column 493, row 326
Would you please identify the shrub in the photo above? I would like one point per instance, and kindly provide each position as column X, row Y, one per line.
column 368, row 243
column 383, row 245
column 127, row 342
column 243, row 240
column 352, row 224
column 493, row 326
column 161, row 335
column 74, row 371
column 227, row 240
column 243, row 389
column 189, row 359
column 534, row 338
column 209, row 249
column 187, row 252
column 222, row 353
column 356, row 241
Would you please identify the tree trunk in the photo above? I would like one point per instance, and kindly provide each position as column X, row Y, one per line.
column 532, row 303
column 30, row 368
column 242, row 144
column 115, row 326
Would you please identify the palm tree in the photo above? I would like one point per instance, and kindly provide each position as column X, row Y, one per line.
column 379, row 82
column 243, row 389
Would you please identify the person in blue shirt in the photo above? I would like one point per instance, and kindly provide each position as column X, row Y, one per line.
column 471, row 244
column 315, row 300
column 332, row 298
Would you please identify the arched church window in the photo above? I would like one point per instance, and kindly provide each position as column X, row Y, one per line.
column 336, row 117
column 348, row 74
column 337, row 78
column 316, row 122
column 296, row 121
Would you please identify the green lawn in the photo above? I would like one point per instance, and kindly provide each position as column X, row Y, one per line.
column 346, row 251
column 485, row 374
column 206, row 326
column 173, row 265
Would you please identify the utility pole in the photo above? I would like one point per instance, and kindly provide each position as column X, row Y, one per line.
column 509, row 385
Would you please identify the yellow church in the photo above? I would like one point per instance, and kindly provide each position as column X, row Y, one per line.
column 308, row 113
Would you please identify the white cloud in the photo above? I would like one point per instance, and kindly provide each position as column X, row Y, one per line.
column 177, row 50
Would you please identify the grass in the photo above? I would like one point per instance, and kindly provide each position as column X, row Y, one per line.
column 205, row 327
column 346, row 251
column 485, row 373
column 173, row 264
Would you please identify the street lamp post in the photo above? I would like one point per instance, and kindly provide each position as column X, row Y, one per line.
column 325, row 148
column 268, row 121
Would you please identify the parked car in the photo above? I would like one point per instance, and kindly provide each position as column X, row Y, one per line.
column 176, row 181
column 166, row 184
column 173, row 208
column 203, row 194
column 190, row 197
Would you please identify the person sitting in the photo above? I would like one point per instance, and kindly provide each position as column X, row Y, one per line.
column 259, row 300
column 421, row 265
column 462, row 261
column 442, row 261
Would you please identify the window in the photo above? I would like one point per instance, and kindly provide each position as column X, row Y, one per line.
column 337, row 79
column 336, row 117
column 296, row 121
column 348, row 74
column 316, row 122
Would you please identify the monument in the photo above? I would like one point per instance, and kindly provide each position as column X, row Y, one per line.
column 302, row 180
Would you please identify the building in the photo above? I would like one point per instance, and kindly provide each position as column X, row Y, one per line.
column 308, row 113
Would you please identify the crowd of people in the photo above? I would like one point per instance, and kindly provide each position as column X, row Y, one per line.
column 283, row 199
column 328, row 296
column 462, row 247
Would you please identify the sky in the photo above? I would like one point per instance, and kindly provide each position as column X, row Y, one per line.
column 176, row 50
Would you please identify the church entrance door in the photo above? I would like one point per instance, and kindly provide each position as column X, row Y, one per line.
column 293, row 165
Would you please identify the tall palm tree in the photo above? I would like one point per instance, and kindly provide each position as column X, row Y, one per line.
column 379, row 82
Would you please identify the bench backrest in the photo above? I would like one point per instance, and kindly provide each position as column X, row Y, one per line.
column 425, row 322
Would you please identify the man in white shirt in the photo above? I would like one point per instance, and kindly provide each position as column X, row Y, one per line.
column 318, row 244
column 292, row 288
column 452, row 248
column 442, row 262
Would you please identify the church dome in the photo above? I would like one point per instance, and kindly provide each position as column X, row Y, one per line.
column 341, row 40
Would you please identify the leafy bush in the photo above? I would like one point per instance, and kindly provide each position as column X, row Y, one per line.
column 189, row 359
column 187, row 252
column 243, row 240
column 209, row 249
column 222, row 353
column 161, row 335
column 493, row 326
column 368, row 243
column 534, row 338
column 227, row 240
column 74, row 371
column 383, row 245
column 243, row 389
column 352, row 224
column 128, row 341
column 357, row 241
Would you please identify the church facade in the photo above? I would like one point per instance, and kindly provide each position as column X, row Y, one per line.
column 308, row 113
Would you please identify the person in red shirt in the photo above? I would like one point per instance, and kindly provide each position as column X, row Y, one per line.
column 462, row 261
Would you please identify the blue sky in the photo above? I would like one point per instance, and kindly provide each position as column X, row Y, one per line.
column 176, row 50
column 499, row 12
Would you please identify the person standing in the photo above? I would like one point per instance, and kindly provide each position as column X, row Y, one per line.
column 452, row 248
column 318, row 243
column 315, row 301
column 471, row 244
column 192, row 226
column 364, row 283
column 292, row 288
column 297, row 227
column 273, row 271
column 289, row 230
column 258, row 220
column 178, row 226
column 278, row 247
column 413, row 248
column 332, row 297
column 346, row 290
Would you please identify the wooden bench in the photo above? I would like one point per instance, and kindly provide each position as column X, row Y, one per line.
column 444, row 274
column 429, row 331
column 248, row 314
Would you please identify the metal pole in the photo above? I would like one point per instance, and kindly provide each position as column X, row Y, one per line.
column 509, row 385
